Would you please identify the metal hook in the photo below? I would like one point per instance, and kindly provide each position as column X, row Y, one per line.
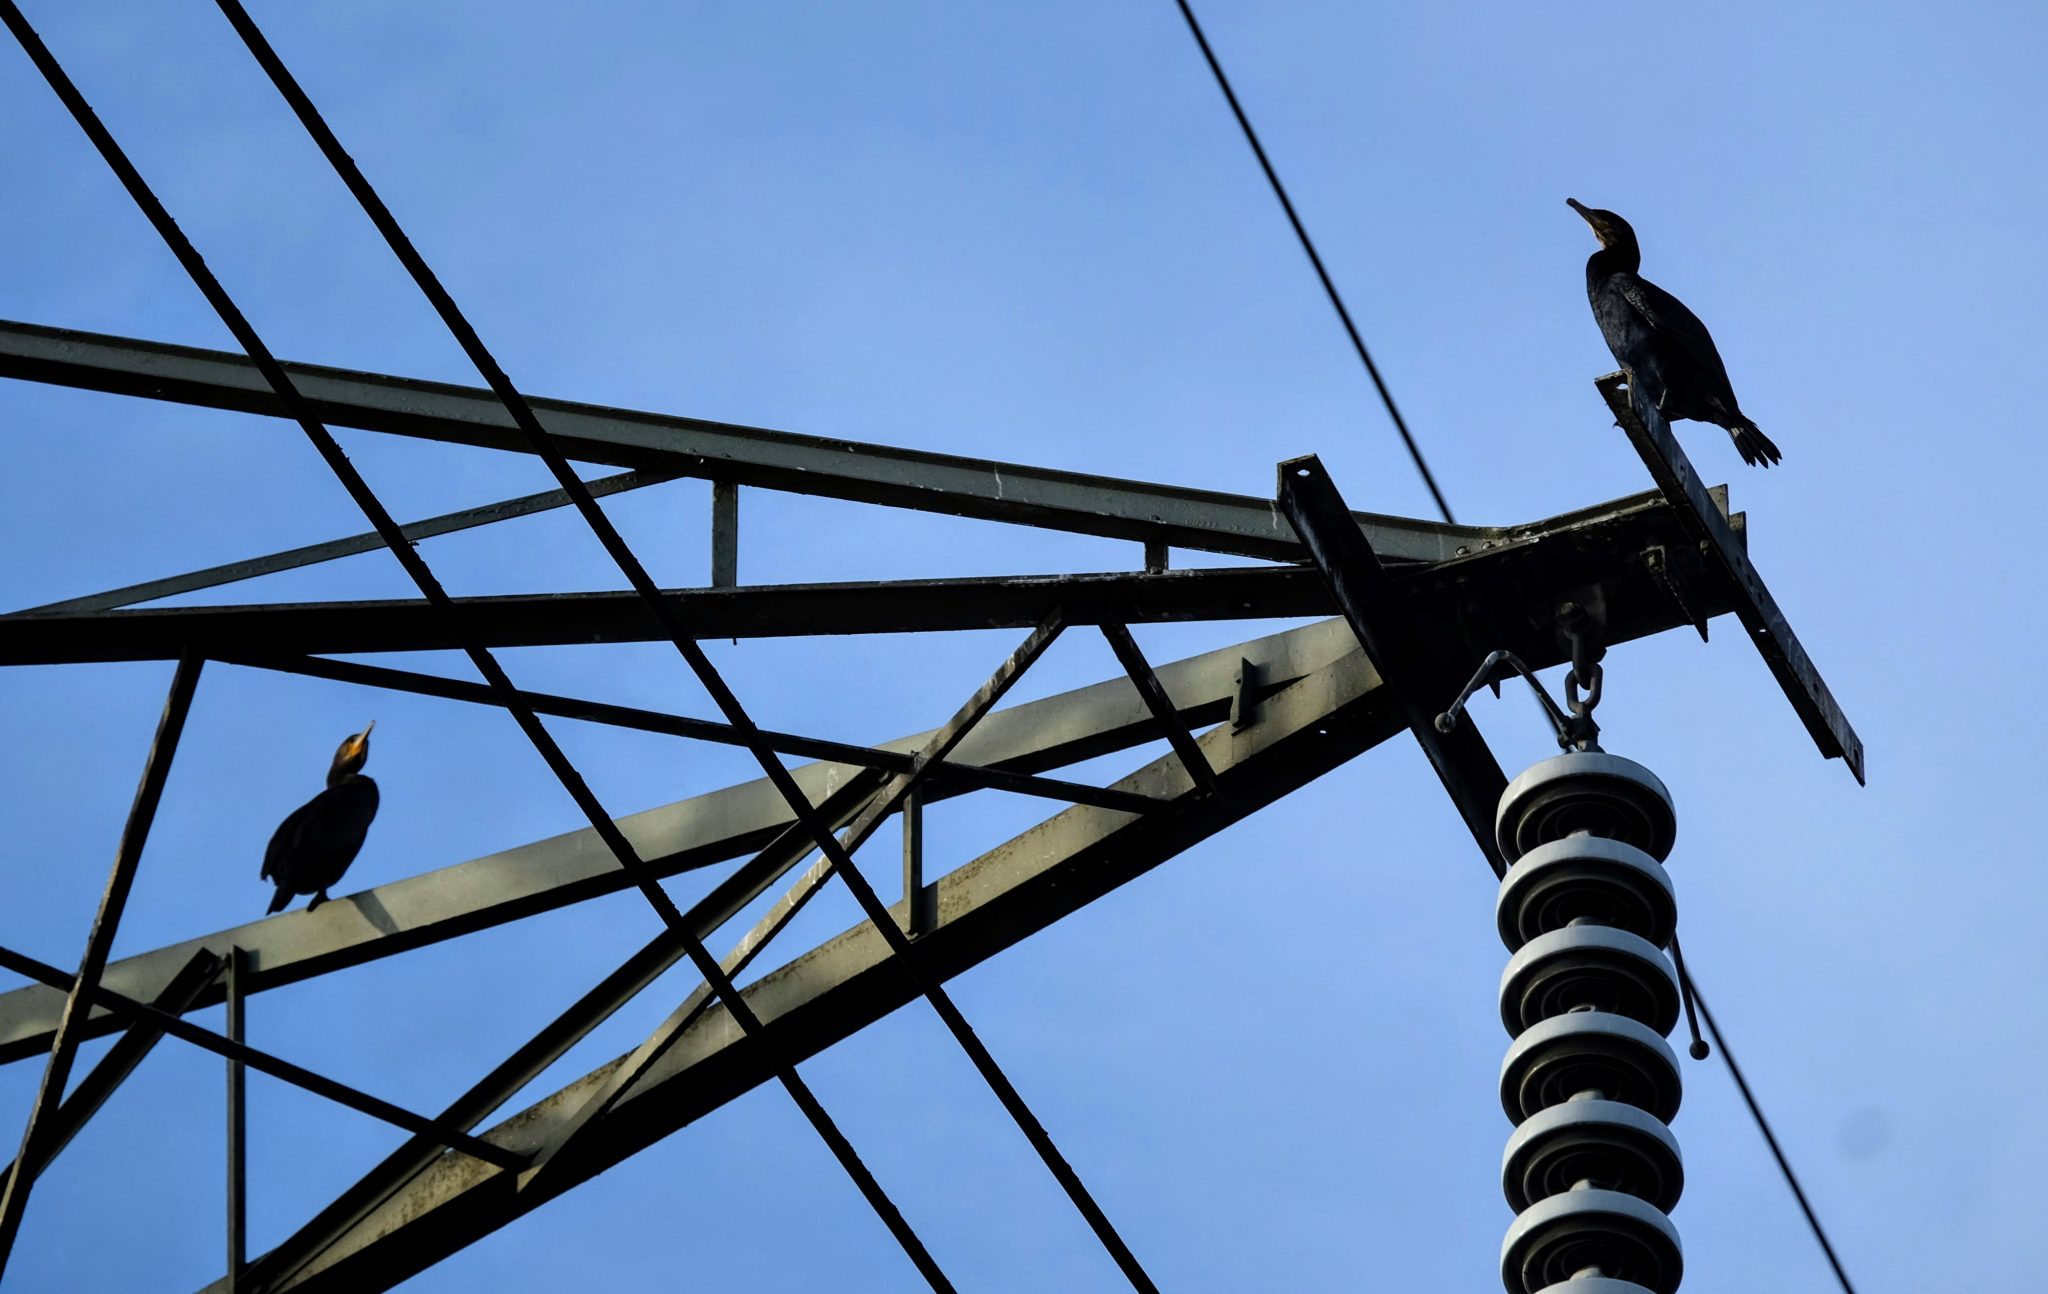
column 1565, row 725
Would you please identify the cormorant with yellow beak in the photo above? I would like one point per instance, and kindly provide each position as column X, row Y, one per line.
column 315, row 845
column 1669, row 354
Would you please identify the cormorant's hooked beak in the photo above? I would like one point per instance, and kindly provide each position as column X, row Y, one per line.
column 357, row 748
column 1591, row 217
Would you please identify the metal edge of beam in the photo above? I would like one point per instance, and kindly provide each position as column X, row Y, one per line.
column 1754, row 606
column 1078, row 502
column 582, row 619
column 697, row 832
column 292, row 559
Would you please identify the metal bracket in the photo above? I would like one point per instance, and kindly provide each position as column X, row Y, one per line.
column 1244, row 702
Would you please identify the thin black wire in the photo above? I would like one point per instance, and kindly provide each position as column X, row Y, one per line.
column 1770, row 1139
column 572, row 781
column 700, row 664
column 1350, row 329
column 1315, row 259
column 1358, row 343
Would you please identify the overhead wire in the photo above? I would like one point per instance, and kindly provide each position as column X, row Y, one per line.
column 1763, row 1125
column 1443, row 506
column 1315, row 261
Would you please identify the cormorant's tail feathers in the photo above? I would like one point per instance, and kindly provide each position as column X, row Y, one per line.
column 1756, row 449
column 278, row 900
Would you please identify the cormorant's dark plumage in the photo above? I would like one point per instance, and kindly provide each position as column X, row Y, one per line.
column 1667, row 351
column 315, row 845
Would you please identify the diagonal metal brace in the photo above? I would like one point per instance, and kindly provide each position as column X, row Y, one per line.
column 122, row 1059
column 1160, row 704
column 1366, row 595
column 887, row 799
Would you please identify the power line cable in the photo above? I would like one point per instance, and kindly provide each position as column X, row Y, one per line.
column 1415, row 452
column 1770, row 1139
column 1315, row 259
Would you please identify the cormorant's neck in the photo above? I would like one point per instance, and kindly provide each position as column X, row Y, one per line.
column 1615, row 258
column 340, row 773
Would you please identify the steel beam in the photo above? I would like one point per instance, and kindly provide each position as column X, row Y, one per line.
column 128, row 1008
column 755, row 611
column 886, row 800
column 1319, row 717
column 313, row 554
column 1421, row 678
column 122, row 1059
column 238, row 1123
column 842, row 469
column 552, row 873
column 156, row 770
column 827, row 994
column 1754, row 606
column 1505, row 598
column 952, row 779
column 1177, row 735
column 568, row 1028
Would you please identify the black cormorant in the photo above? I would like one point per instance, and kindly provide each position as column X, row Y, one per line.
column 315, row 845
column 1667, row 351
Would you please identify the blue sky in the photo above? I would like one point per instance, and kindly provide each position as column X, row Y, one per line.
column 1031, row 232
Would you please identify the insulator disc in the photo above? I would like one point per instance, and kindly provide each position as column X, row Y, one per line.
column 1595, row 1285
column 1593, row 967
column 1619, row 1234
column 1616, row 1147
column 1589, row 1051
column 1582, row 790
column 1585, row 877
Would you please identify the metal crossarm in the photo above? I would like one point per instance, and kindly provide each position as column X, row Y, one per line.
column 1754, row 606
column 753, row 611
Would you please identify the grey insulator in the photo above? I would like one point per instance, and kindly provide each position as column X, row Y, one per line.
column 1588, row 967
column 1589, row 1051
column 1613, row 1146
column 1585, row 791
column 1616, row 1233
column 1586, row 878
column 1595, row 1285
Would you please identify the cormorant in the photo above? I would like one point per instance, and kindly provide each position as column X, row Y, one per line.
column 1669, row 355
column 315, row 845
